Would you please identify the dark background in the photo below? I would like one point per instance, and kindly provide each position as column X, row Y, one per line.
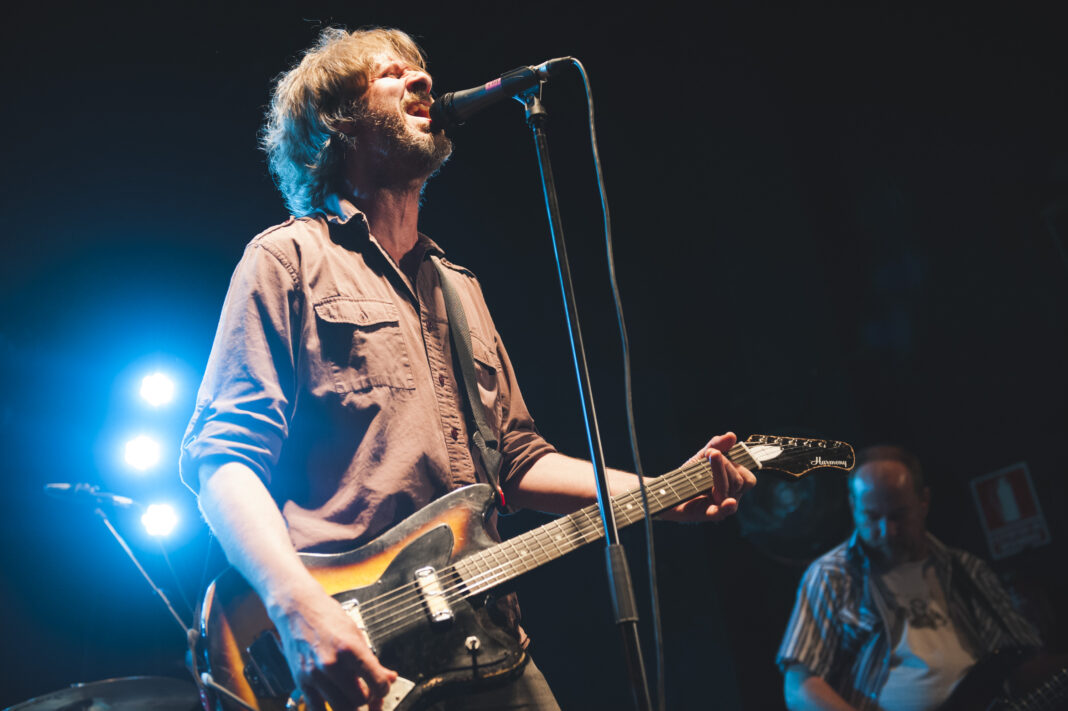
column 832, row 220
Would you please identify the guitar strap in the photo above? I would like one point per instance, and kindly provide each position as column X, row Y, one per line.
column 481, row 434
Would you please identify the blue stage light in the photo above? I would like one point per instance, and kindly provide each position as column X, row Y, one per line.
column 157, row 389
column 142, row 452
column 159, row 519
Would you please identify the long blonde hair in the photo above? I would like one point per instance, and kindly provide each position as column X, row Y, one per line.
column 300, row 135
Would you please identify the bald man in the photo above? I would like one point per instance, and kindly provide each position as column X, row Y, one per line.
column 892, row 619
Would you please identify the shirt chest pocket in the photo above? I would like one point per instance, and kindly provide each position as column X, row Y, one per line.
column 362, row 345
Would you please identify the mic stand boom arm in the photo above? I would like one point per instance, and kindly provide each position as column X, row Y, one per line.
column 625, row 609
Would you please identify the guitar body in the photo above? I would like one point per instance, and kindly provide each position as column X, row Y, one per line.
column 982, row 685
column 440, row 651
column 1038, row 682
column 420, row 590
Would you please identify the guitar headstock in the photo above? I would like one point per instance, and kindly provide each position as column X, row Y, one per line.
column 796, row 456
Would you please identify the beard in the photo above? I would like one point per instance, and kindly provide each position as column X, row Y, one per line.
column 403, row 154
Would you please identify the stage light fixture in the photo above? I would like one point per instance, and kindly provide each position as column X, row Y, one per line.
column 157, row 389
column 159, row 519
column 142, row 452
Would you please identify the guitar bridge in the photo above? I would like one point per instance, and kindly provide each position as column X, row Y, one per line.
column 433, row 594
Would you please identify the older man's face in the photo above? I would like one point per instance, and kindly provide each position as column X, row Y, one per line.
column 890, row 515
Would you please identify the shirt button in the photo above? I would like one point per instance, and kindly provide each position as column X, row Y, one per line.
column 455, row 433
column 441, row 380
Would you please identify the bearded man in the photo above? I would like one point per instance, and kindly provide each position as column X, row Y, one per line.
column 330, row 409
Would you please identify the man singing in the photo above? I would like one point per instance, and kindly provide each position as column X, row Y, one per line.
column 330, row 409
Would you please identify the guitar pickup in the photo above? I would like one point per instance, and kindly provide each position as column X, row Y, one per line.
column 352, row 609
column 433, row 594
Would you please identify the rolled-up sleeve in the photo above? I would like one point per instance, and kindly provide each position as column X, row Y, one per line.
column 521, row 445
column 811, row 637
column 245, row 400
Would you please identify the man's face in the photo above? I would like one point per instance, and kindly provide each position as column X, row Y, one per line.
column 393, row 120
column 889, row 514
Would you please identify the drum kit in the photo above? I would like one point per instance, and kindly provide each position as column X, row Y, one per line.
column 134, row 693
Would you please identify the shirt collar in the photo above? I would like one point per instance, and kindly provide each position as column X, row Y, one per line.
column 855, row 553
column 938, row 553
column 339, row 210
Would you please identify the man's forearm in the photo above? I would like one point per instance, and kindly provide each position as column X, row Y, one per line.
column 806, row 692
column 560, row 484
column 327, row 653
column 253, row 534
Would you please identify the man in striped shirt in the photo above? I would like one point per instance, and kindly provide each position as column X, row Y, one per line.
column 892, row 619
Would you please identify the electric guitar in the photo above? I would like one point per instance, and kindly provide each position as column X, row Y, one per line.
column 419, row 591
column 1038, row 684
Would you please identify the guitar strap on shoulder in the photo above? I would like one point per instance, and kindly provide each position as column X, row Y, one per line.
column 481, row 434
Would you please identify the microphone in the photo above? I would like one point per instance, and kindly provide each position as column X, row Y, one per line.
column 87, row 493
column 456, row 107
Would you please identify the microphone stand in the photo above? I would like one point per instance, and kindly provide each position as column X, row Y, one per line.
column 202, row 680
column 625, row 609
column 186, row 630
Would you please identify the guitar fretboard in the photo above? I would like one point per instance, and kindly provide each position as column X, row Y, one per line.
column 493, row 566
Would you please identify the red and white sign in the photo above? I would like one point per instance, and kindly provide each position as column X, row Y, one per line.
column 1009, row 510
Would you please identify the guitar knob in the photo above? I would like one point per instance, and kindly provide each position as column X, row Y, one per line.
column 472, row 644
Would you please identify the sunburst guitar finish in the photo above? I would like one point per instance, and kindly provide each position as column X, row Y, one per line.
column 420, row 591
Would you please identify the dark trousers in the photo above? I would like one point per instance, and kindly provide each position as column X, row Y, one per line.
column 528, row 692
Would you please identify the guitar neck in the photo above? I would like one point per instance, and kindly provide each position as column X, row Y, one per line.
column 505, row 561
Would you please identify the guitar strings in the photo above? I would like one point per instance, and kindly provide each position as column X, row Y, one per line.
column 405, row 604
column 488, row 578
column 405, row 600
column 409, row 593
column 372, row 604
column 402, row 618
column 399, row 617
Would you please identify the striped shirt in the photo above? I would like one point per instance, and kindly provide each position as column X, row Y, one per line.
column 843, row 631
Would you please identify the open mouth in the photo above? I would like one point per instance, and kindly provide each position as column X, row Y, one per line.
column 419, row 109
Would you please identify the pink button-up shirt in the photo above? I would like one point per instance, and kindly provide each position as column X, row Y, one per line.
column 331, row 376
